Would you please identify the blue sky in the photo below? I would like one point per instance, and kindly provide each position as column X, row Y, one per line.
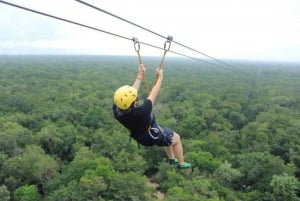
column 233, row 29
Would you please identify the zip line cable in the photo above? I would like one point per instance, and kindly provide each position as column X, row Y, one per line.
column 132, row 23
column 62, row 19
column 184, row 55
column 97, row 29
column 120, row 18
column 217, row 60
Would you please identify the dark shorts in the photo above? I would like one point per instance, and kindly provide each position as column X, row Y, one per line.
column 157, row 135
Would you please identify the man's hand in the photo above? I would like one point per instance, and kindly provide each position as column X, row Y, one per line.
column 159, row 73
column 142, row 70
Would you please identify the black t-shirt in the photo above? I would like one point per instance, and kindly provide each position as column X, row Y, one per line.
column 137, row 120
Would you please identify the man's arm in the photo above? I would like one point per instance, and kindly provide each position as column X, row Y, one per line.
column 139, row 77
column 156, row 88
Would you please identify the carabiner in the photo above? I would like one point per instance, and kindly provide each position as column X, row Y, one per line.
column 136, row 44
column 167, row 44
column 137, row 48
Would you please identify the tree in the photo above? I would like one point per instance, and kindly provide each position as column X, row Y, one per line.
column 210, row 115
column 4, row 193
column 84, row 160
column 129, row 186
column 203, row 160
column 257, row 169
column 95, row 118
column 192, row 125
column 168, row 177
column 254, row 137
column 199, row 153
column 3, row 159
column 227, row 175
column 238, row 120
column 177, row 193
column 197, row 188
column 27, row 193
column 32, row 166
column 125, row 161
column 13, row 137
column 284, row 187
column 91, row 185
column 58, row 140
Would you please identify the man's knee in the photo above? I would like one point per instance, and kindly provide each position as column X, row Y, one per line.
column 176, row 138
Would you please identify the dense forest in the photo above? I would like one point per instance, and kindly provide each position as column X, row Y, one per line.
column 240, row 127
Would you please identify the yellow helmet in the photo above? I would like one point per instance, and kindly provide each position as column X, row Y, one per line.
column 125, row 96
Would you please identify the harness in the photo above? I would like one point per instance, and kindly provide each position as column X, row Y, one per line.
column 155, row 132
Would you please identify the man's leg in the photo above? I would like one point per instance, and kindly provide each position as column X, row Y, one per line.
column 170, row 153
column 175, row 149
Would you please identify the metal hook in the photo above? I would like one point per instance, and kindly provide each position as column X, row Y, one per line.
column 136, row 44
column 167, row 44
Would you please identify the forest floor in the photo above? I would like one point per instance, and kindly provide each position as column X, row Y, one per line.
column 159, row 194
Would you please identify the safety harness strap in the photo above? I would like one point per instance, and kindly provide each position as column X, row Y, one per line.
column 167, row 46
column 137, row 48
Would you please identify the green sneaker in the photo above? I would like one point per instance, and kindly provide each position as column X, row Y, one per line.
column 173, row 161
column 184, row 166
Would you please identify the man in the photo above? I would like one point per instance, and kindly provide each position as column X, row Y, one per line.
column 139, row 119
